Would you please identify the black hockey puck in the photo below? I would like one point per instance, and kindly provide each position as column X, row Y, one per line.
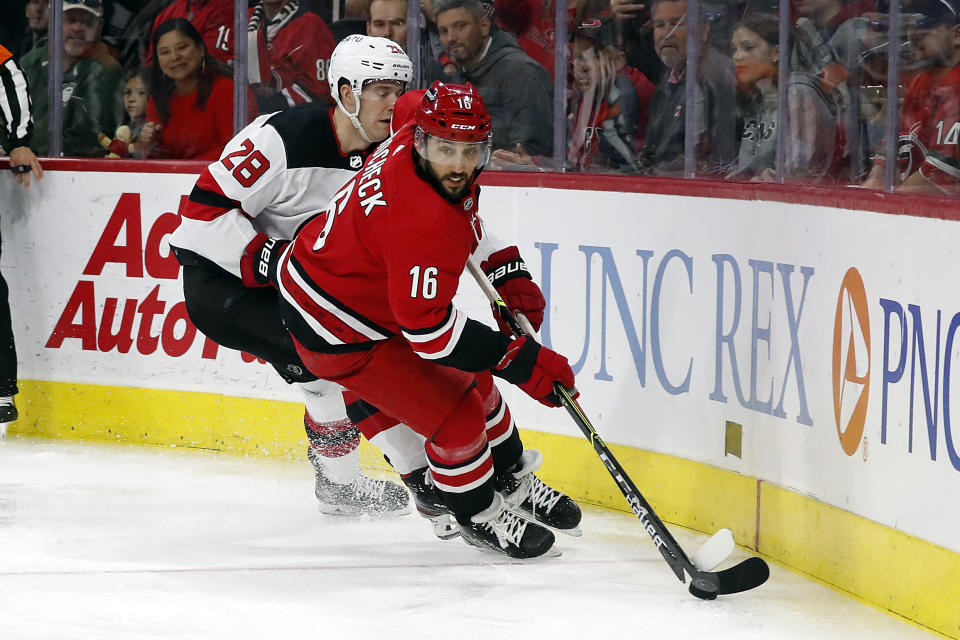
column 703, row 589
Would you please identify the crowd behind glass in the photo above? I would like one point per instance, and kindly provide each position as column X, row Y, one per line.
column 793, row 93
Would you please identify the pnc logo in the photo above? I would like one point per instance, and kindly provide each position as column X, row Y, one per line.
column 851, row 361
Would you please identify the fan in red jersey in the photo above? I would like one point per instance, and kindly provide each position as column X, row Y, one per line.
column 367, row 289
column 929, row 140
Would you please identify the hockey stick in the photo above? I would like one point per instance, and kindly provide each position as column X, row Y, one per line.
column 704, row 584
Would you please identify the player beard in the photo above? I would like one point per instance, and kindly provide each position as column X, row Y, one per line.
column 452, row 193
column 456, row 190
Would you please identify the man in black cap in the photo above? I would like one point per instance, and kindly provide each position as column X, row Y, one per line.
column 929, row 141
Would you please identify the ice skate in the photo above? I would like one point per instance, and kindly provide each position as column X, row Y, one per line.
column 525, row 493
column 499, row 529
column 430, row 504
column 364, row 495
column 8, row 414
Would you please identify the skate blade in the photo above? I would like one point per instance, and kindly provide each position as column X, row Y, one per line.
column 3, row 430
column 354, row 512
column 444, row 526
column 575, row 532
column 552, row 552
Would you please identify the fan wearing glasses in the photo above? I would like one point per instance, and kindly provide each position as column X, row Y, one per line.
column 91, row 81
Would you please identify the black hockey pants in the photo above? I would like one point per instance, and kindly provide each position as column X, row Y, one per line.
column 240, row 318
column 8, row 352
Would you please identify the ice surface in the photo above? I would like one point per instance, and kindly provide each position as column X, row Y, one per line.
column 108, row 542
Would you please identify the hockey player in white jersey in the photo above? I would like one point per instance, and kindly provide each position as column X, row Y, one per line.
column 271, row 177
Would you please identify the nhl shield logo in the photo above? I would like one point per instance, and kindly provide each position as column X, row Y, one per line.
column 355, row 161
column 468, row 204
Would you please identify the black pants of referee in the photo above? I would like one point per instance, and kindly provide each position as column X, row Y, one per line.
column 8, row 351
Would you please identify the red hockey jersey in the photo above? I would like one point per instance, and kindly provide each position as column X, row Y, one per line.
column 385, row 259
column 292, row 51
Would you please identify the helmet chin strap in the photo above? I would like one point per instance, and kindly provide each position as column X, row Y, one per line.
column 355, row 119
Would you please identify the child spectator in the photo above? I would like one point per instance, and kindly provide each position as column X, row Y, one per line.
column 190, row 113
column 289, row 51
column 136, row 95
column 609, row 102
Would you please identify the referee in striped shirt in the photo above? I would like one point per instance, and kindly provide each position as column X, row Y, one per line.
column 15, row 113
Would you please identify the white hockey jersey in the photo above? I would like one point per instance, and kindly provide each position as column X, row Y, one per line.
column 279, row 171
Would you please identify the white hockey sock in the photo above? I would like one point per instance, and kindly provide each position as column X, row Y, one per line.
column 342, row 469
column 403, row 447
column 324, row 400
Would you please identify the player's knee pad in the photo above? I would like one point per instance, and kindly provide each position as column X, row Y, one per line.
column 462, row 435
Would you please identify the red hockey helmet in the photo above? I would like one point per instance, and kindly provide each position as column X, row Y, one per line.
column 454, row 112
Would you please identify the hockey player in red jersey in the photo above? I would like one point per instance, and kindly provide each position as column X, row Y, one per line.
column 367, row 291
column 273, row 175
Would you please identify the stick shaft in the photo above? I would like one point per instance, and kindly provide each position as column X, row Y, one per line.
column 662, row 538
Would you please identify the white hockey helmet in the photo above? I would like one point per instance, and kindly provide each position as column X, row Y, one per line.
column 361, row 59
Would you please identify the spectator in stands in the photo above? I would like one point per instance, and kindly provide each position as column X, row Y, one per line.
column 289, row 51
column 440, row 66
column 91, row 83
column 190, row 113
column 633, row 23
column 812, row 148
column 388, row 19
column 213, row 19
column 715, row 147
column 38, row 20
column 517, row 91
column 136, row 96
column 929, row 143
column 609, row 101
column 124, row 142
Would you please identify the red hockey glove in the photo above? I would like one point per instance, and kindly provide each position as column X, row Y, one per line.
column 535, row 369
column 508, row 274
column 259, row 262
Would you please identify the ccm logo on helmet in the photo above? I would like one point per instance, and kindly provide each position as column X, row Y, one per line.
column 466, row 127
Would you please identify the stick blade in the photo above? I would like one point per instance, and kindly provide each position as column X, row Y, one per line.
column 714, row 551
column 749, row 574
